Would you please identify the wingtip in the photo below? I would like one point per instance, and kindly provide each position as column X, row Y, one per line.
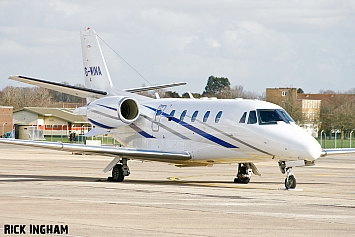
column 12, row 77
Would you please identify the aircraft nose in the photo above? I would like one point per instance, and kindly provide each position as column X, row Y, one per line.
column 310, row 149
column 305, row 149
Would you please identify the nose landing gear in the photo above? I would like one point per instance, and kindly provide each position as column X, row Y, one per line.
column 286, row 168
column 290, row 180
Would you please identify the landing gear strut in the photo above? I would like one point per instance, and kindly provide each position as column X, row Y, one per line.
column 244, row 173
column 120, row 170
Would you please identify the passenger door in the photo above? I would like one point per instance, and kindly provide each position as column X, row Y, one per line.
column 157, row 116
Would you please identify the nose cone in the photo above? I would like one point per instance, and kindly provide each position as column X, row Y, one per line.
column 310, row 149
column 304, row 148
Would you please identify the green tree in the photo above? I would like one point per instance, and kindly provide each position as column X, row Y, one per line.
column 300, row 91
column 195, row 95
column 217, row 86
column 171, row 94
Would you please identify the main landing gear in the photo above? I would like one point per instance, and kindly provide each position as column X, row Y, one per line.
column 286, row 168
column 119, row 171
column 244, row 173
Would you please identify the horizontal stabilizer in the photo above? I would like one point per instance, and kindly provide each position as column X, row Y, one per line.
column 149, row 88
column 97, row 131
column 61, row 87
column 141, row 154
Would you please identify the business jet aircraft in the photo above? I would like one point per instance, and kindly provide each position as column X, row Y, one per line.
column 184, row 132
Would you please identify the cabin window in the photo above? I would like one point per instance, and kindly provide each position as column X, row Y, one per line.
column 182, row 116
column 252, row 117
column 48, row 126
column 242, row 119
column 207, row 114
column 218, row 117
column 194, row 115
column 171, row 115
column 55, row 126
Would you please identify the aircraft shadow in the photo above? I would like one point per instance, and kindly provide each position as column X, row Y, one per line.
column 198, row 183
column 34, row 178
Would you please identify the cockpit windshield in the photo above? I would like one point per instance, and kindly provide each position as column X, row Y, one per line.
column 272, row 116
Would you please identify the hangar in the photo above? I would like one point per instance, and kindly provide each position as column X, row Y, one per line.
column 36, row 122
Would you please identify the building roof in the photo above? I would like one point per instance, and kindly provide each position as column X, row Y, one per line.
column 62, row 113
column 324, row 97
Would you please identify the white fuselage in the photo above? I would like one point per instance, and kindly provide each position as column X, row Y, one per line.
column 213, row 131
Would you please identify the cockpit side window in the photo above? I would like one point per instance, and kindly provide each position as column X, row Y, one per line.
column 269, row 116
column 272, row 116
column 242, row 119
column 285, row 115
column 252, row 117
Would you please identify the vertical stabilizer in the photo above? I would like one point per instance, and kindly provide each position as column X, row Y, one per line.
column 95, row 69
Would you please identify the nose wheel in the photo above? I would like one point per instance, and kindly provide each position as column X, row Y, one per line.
column 286, row 168
column 290, row 181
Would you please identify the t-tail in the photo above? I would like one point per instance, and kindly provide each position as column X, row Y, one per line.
column 96, row 73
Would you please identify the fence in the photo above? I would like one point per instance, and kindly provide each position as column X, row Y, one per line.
column 333, row 140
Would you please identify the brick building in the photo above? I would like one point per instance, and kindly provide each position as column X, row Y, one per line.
column 307, row 106
column 6, row 115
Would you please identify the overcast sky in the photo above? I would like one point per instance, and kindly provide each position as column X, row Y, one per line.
column 256, row 44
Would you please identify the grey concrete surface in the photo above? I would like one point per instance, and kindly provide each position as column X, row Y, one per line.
column 49, row 187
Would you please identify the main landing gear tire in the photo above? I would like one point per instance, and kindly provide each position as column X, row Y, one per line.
column 241, row 180
column 117, row 173
column 290, row 182
column 244, row 174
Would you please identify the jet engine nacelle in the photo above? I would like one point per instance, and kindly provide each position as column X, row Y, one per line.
column 112, row 112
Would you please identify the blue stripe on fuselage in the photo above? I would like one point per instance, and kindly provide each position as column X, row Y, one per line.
column 99, row 124
column 198, row 131
column 140, row 131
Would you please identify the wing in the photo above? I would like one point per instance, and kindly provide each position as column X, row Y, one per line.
column 141, row 154
column 149, row 88
column 337, row 151
column 68, row 89
column 84, row 92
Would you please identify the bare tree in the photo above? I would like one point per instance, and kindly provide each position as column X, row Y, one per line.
column 338, row 113
column 20, row 97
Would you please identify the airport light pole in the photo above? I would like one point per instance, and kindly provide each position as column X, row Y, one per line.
column 321, row 138
column 3, row 125
column 335, row 138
